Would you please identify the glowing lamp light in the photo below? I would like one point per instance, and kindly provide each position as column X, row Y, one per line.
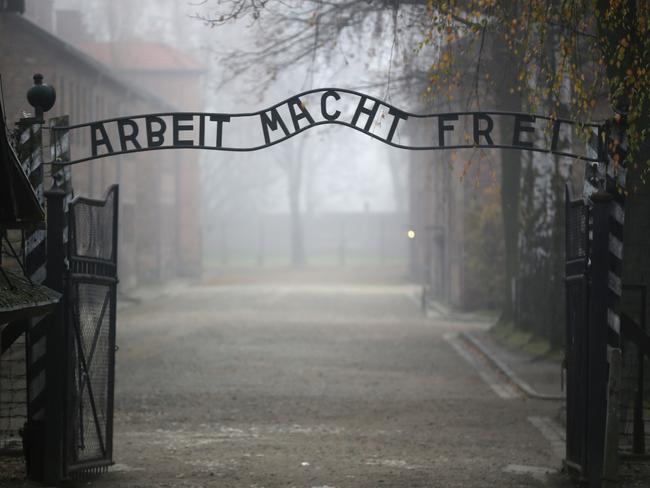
column 411, row 234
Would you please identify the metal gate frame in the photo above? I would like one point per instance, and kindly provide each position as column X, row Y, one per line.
column 90, row 334
column 591, row 442
column 577, row 332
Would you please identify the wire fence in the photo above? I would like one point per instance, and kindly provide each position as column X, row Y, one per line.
column 539, row 301
column 13, row 370
column 13, row 396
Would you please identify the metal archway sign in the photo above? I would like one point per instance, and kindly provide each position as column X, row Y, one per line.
column 382, row 121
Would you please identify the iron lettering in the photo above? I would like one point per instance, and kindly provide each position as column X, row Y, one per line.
column 485, row 132
column 272, row 122
column 155, row 138
column 556, row 134
column 327, row 115
column 443, row 127
column 363, row 113
column 220, row 119
column 124, row 137
column 521, row 119
column 362, row 109
column 178, row 128
column 103, row 140
column 397, row 116
column 304, row 113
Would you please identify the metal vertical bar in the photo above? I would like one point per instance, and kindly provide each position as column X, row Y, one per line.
column 112, row 333
column 577, row 332
column 638, row 435
column 598, row 366
column 569, row 353
column 29, row 148
column 56, row 351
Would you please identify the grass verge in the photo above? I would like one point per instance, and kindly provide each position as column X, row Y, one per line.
column 508, row 335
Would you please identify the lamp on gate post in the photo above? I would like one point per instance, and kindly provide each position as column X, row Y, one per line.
column 50, row 464
column 42, row 97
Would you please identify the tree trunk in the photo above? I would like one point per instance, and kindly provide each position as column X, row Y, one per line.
column 510, row 186
column 509, row 99
column 557, row 325
column 294, row 187
column 395, row 167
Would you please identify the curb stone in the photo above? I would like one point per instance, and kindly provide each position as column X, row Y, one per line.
column 522, row 385
column 436, row 309
column 139, row 295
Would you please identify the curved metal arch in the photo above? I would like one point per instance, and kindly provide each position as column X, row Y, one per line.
column 362, row 96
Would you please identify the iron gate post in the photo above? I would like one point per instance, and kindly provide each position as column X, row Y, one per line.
column 55, row 355
column 597, row 362
column 639, row 423
column 638, row 431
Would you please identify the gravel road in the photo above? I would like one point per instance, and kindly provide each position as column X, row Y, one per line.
column 337, row 386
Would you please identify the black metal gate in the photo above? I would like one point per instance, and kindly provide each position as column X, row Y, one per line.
column 90, row 331
column 577, row 329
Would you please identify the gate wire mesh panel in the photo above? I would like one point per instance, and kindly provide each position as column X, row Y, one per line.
column 91, row 358
column 93, row 228
column 13, row 365
column 91, row 334
column 539, row 280
column 13, row 396
column 577, row 227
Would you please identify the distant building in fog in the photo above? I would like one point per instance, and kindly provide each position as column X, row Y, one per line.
column 438, row 216
column 177, row 78
column 160, row 236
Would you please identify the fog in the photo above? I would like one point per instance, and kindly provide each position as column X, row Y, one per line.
column 308, row 243
column 346, row 191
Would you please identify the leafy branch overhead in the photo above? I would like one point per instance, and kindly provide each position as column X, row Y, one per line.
column 584, row 59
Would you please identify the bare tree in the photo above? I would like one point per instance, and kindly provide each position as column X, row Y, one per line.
column 292, row 165
column 323, row 36
column 320, row 37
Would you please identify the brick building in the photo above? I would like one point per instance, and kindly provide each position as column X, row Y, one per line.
column 160, row 212
column 176, row 78
column 437, row 214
